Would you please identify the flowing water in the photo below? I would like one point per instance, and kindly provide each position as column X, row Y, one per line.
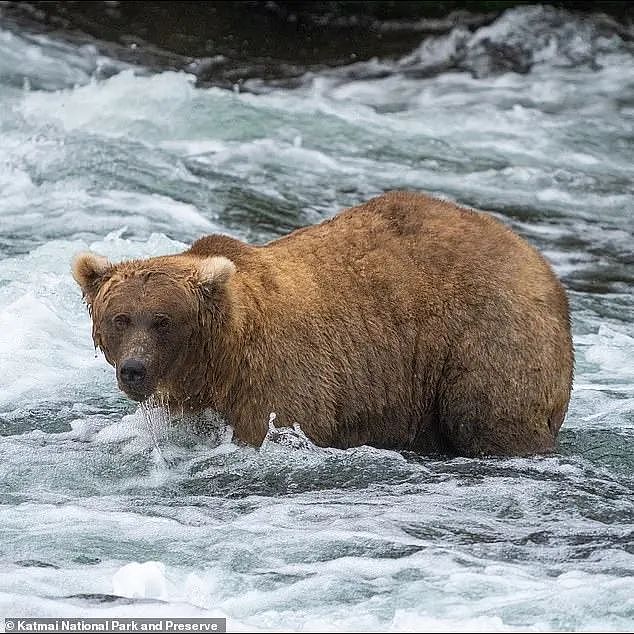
column 110, row 510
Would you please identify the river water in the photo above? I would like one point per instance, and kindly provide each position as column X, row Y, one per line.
column 109, row 510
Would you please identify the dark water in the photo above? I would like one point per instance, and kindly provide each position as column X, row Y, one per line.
column 100, row 500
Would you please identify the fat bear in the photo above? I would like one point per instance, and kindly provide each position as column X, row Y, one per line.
column 407, row 322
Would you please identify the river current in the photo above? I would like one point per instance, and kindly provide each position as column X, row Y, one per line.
column 106, row 509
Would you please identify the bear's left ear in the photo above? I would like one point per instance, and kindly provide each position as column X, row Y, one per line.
column 90, row 271
column 214, row 272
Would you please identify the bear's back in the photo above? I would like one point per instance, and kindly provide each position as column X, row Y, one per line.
column 444, row 250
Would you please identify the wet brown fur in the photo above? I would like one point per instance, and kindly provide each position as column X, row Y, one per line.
column 406, row 322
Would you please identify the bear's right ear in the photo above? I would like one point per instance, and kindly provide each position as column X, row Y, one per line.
column 214, row 272
column 89, row 271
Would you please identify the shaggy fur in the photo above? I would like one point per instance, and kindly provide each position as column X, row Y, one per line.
column 406, row 322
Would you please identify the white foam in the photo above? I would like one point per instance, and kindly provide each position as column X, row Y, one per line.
column 141, row 581
column 115, row 102
column 611, row 350
column 36, row 61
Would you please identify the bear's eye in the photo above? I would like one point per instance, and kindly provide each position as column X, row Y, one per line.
column 121, row 321
column 162, row 322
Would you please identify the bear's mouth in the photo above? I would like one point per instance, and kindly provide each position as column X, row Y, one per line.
column 139, row 395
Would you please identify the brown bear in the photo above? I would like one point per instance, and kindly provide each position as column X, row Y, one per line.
column 406, row 322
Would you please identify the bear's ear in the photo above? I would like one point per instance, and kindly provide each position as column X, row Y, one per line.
column 89, row 271
column 214, row 272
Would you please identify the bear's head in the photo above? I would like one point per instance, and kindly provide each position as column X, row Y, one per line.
column 148, row 315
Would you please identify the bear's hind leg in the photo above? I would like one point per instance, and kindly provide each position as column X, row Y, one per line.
column 474, row 421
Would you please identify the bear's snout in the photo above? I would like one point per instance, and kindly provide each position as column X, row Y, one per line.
column 132, row 376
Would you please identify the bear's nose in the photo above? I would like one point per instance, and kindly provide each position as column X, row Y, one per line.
column 133, row 372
